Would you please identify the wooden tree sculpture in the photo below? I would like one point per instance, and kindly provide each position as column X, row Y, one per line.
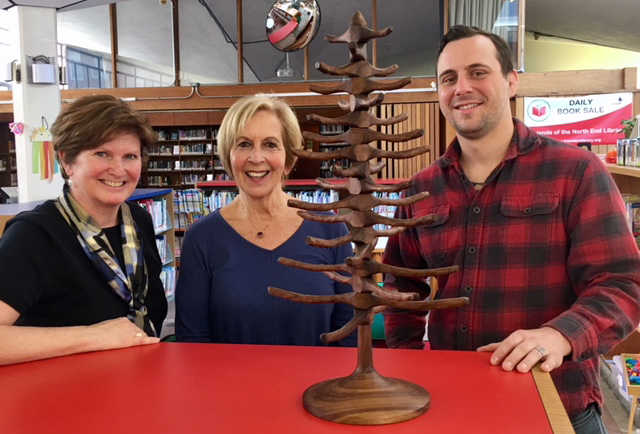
column 365, row 397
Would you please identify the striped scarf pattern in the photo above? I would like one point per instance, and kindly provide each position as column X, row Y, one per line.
column 132, row 284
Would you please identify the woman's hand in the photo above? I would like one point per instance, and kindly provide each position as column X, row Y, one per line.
column 118, row 333
column 524, row 348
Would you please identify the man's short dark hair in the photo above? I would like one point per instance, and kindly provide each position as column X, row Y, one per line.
column 461, row 32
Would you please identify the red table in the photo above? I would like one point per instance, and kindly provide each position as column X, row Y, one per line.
column 215, row 388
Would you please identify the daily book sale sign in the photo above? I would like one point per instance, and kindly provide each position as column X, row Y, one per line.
column 592, row 118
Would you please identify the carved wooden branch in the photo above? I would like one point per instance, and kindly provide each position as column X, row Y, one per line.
column 358, row 32
column 358, row 317
column 364, row 235
column 314, row 267
column 311, row 299
column 361, row 102
column 360, row 219
column 321, row 242
column 359, row 86
column 357, row 69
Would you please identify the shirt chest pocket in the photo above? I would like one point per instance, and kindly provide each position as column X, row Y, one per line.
column 531, row 223
column 435, row 235
column 529, row 206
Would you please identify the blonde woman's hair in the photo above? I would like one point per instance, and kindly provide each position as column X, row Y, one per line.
column 243, row 110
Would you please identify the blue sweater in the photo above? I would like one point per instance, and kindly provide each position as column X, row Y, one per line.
column 221, row 295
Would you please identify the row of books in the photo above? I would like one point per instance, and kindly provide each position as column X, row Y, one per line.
column 188, row 206
column 164, row 249
column 385, row 210
column 9, row 163
column 168, row 277
column 162, row 223
column 158, row 181
column 192, row 178
column 331, row 129
column 192, row 134
column 632, row 203
column 192, row 164
column 193, row 204
column 190, row 149
column 158, row 210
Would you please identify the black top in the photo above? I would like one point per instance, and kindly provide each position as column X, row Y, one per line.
column 50, row 281
column 114, row 235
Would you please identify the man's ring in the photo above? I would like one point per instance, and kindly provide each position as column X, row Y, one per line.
column 138, row 335
column 540, row 350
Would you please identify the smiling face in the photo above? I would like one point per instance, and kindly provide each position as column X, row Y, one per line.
column 258, row 156
column 104, row 177
column 473, row 92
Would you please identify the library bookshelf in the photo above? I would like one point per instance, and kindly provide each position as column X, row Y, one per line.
column 627, row 178
column 8, row 169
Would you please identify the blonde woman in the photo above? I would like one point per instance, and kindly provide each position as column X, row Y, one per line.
column 229, row 258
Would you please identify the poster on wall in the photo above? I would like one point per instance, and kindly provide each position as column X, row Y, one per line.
column 590, row 118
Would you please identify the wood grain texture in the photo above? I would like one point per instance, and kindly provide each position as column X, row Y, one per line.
column 551, row 400
column 366, row 399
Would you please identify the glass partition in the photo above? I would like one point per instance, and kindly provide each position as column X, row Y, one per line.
column 502, row 17
column 5, row 48
column 84, row 47
column 208, row 42
column 145, row 44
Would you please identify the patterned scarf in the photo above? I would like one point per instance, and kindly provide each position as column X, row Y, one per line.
column 133, row 286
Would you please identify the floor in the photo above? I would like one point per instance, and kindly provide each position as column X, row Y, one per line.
column 615, row 414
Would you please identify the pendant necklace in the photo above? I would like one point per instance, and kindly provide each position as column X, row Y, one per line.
column 259, row 233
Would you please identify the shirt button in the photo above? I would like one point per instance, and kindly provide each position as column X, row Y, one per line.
column 477, row 210
column 472, row 250
column 527, row 210
column 467, row 289
column 463, row 328
column 583, row 357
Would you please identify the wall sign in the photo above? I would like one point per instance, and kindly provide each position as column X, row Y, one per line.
column 589, row 118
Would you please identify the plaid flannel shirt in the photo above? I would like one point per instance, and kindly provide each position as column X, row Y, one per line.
column 545, row 242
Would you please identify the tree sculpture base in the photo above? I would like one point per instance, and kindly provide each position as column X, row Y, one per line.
column 366, row 398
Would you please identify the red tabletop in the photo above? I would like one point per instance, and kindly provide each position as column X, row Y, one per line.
column 215, row 388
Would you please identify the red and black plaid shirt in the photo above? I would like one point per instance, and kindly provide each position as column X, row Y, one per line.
column 545, row 242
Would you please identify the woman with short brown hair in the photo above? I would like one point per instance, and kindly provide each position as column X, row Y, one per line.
column 81, row 272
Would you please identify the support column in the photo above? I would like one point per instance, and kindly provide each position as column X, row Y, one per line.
column 35, row 105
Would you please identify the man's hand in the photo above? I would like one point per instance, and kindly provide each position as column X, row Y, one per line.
column 524, row 348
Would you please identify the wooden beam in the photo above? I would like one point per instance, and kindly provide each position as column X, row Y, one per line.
column 374, row 26
column 584, row 82
column 175, row 17
column 306, row 62
column 445, row 16
column 564, row 83
column 113, row 26
column 630, row 78
column 520, row 32
column 240, row 42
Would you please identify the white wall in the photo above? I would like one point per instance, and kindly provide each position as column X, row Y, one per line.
column 557, row 54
